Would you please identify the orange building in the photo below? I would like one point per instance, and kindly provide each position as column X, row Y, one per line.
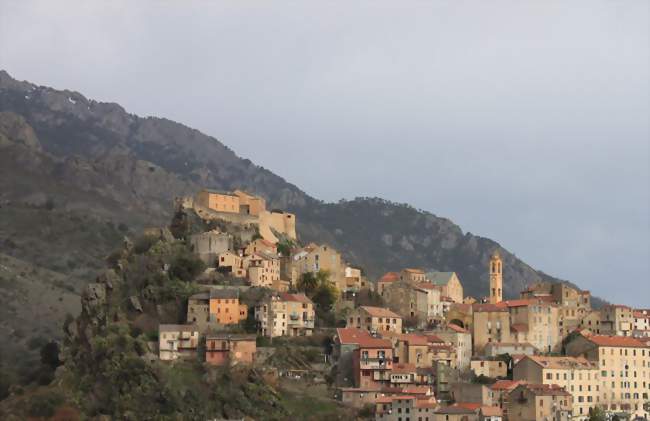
column 225, row 307
column 249, row 204
column 230, row 349
column 260, row 245
column 218, row 201
column 229, row 262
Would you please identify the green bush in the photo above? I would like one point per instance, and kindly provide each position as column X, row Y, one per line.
column 144, row 243
column 186, row 267
column 44, row 404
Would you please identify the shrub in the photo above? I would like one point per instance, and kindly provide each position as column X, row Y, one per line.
column 186, row 267
column 44, row 404
column 144, row 243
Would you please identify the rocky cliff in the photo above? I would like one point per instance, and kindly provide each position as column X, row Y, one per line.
column 97, row 157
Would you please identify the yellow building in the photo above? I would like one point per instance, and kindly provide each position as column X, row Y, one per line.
column 229, row 262
column 313, row 258
column 496, row 278
column 249, row 204
column 412, row 276
column 218, row 201
column 624, row 365
column 576, row 375
column 375, row 319
column 263, row 269
column 260, row 245
column 225, row 307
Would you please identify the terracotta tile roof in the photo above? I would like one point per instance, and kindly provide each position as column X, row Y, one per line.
column 573, row 363
column 505, row 384
column 300, row 298
column 422, row 403
column 473, row 406
column 426, row 285
column 389, row 277
column 546, row 300
column 403, row 368
column 618, row 341
column 416, row 390
column 491, row 411
column 371, row 342
column 456, row 328
column 546, row 389
column 454, row 409
column 413, row 339
column 351, row 335
column 380, row 312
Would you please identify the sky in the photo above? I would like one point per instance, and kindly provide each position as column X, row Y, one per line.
column 523, row 121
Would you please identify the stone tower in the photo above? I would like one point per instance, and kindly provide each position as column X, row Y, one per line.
column 496, row 279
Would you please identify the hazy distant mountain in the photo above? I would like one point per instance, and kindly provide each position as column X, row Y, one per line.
column 65, row 154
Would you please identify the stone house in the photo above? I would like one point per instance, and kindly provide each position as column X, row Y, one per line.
column 260, row 245
column 346, row 340
column 230, row 349
column 461, row 341
column 218, row 201
column 455, row 413
column 209, row 245
column 534, row 321
column 532, row 402
column 617, row 320
column 490, row 323
column 231, row 263
column 385, row 281
column 313, row 258
column 375, row 319
column 412, row 276
column 263, row 269
column 489, row 367
column 449, row 283
column 405, row 407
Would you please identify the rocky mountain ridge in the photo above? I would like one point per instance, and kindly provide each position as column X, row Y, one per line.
column 129, row 168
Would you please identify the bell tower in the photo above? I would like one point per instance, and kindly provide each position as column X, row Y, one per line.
column 496, row 278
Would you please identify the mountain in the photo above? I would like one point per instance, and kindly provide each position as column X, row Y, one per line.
column 97, row 161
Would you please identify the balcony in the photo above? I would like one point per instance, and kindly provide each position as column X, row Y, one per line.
column 375, row 363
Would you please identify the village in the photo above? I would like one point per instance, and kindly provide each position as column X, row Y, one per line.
column 410, row 345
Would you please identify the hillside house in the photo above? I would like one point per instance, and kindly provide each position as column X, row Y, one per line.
column 177, row 341
column 230, row 349
column 375, row 319
column 449, row 283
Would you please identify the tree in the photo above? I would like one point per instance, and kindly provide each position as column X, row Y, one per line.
column 186, row 267
column 50, row 355
column 308, row 283
column 597, row 414
column 325, row 296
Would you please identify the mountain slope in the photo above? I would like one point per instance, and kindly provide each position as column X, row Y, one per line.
column 140, row 164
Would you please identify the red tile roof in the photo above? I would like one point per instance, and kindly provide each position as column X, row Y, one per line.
column 546, row 389
column 617, row 341
column 422, row 403
column 456, row 328
column 351, row 335
column 426, row 285
column 380, row 312
column 403, row 368
column 491, row 411
column 389, row 277
column 371, row 342
column 300, row 298
column 413, row 339
column 505, row 384
column 472, row 406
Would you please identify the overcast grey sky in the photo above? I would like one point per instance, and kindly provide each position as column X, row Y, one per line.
column 522, row 121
